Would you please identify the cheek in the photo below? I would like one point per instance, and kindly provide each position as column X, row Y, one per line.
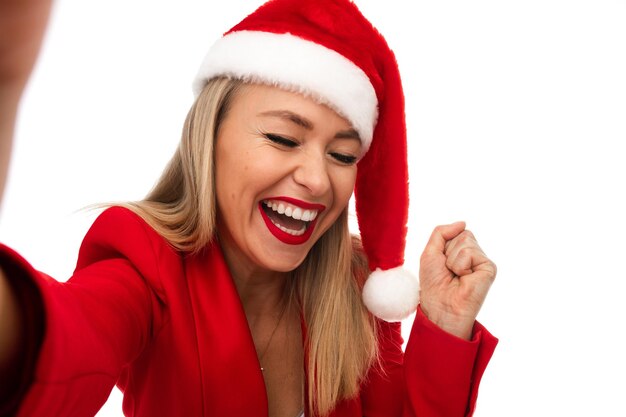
column 343, row 181
column 227, row 182
column 344, row 185
column 240, row 177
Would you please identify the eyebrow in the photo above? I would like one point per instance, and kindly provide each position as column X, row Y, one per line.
column 307, row 124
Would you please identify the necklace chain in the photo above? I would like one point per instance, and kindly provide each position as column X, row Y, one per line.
column 269, row 342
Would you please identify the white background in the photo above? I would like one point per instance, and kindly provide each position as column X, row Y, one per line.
column 516, row 115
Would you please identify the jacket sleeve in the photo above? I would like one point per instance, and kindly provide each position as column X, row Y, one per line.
column 437, row 376
column 94, row 324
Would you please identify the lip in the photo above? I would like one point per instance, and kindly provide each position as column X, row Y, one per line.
column 302, row 204
column 286, row 237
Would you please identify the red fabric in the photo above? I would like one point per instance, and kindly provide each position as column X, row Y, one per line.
column 171, row 331
column 17, row 376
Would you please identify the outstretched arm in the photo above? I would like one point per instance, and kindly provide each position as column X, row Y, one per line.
column 9, row 332
column 22, row 25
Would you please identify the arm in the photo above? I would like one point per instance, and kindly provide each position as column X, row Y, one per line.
column 10, row 324
column 437, row 376
column 22, row 25
column 94, row 324
column 448, row 350
column 444, row 369
column 22, row 330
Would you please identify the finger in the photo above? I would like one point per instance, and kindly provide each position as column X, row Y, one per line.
column 476, row 285
column 487, row 267
column 471, row 261
column 461, row 262
column 442, row 234
column 465, row 238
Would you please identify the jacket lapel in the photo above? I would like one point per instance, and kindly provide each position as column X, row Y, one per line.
column 232, row 383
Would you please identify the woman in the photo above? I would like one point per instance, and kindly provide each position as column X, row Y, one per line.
column 235, row 288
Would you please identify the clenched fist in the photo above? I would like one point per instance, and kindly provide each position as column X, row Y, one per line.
column 455, row 276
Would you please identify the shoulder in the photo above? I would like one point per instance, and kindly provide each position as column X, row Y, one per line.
column 120, row 233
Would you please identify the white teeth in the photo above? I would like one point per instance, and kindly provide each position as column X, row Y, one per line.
column 289, row 231
column 295, row 212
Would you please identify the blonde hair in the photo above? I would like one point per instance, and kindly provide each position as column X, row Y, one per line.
column 341, row 335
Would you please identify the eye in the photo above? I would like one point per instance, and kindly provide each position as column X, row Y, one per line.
column 280, row 140
column 344, row 159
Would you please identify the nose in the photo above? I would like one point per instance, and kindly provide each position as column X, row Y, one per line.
column 312, row 174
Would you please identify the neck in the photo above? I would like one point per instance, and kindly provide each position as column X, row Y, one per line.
column 262, row 292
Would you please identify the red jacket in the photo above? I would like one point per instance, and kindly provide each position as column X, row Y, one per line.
column 170, row 330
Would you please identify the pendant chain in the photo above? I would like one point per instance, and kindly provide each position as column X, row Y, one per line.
column 269, row 342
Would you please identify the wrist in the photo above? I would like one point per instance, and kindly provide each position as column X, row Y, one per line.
column 457, row 325
column 10, row 323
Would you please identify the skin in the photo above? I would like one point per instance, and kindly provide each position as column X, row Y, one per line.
column 22, row 25
column 455, row 274
column 250, row 167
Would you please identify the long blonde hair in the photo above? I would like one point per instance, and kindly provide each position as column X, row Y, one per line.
column 341, row 335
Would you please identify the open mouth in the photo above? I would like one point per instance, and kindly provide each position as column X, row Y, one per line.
column 288, row 218
column 289, row 222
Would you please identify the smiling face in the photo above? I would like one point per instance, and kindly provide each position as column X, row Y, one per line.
column 285, row 168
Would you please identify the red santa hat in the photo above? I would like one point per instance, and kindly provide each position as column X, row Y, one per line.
column 327, row 50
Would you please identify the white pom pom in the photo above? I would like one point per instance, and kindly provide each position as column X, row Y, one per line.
column 391, row 295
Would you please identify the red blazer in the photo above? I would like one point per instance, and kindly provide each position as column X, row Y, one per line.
column 170, row 331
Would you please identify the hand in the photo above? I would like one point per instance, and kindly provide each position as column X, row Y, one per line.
column 455, row 276
column 22, row 24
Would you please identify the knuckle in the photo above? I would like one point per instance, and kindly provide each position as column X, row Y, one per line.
column 467, row 236
column 494, row 268
column 465, row 252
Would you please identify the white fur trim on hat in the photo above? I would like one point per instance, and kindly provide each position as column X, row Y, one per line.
column 298, row 65
column 391, row 295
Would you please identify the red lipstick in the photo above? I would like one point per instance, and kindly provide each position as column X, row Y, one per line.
column 284, row 236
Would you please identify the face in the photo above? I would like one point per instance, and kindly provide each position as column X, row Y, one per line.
column 285, row 171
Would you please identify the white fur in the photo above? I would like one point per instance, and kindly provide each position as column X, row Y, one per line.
column 391, row 295
column 298, row 65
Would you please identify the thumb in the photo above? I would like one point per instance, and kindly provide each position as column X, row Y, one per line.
column 442, row 234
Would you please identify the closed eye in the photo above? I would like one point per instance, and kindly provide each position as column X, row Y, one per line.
column 280, row 140
column 290, row 143
column 344, row 159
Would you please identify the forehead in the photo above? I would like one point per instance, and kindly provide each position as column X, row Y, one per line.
column 264, row 101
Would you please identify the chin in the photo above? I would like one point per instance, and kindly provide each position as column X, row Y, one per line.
column 280, row 261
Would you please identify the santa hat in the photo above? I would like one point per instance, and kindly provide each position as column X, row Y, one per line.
column 327, row 50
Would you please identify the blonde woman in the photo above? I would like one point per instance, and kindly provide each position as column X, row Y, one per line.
column 235, row 288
